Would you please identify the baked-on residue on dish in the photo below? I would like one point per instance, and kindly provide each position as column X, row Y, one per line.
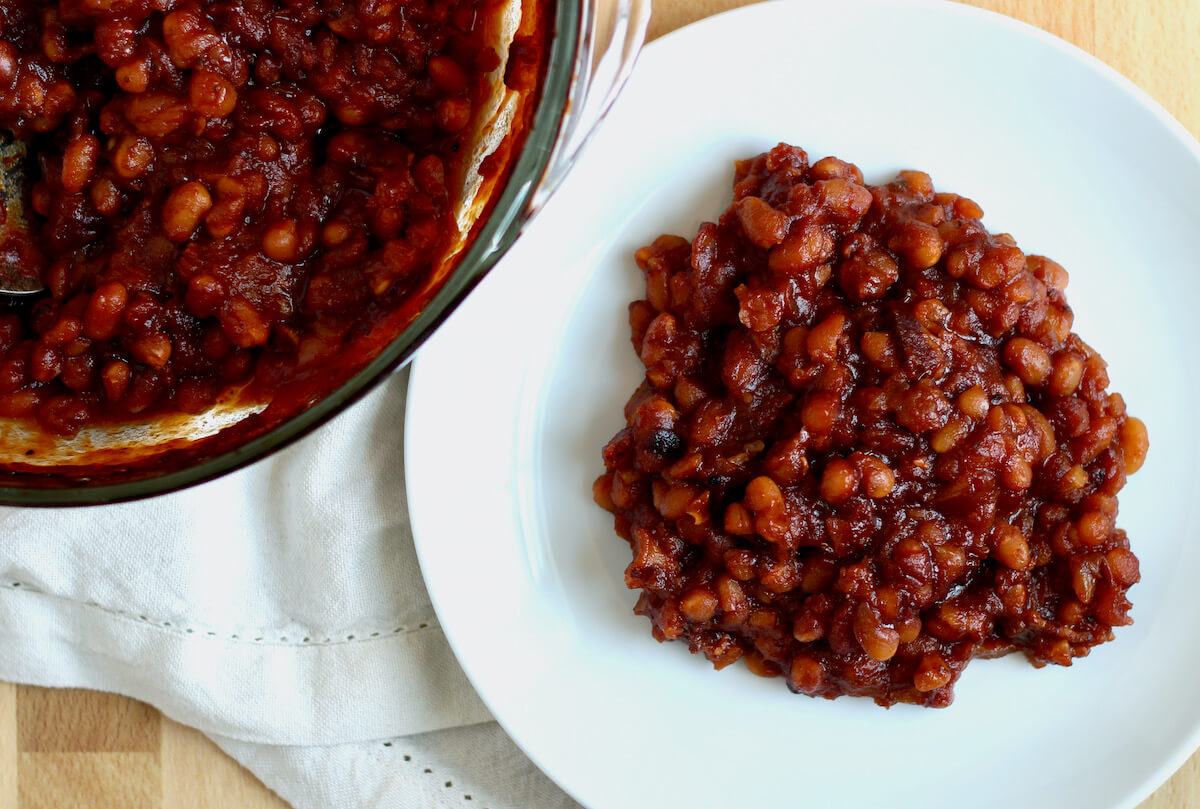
column 868, row 446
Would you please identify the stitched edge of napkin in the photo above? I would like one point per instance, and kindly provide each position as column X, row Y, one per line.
column 56, row 642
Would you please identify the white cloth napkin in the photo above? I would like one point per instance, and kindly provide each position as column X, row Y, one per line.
column 281, row 611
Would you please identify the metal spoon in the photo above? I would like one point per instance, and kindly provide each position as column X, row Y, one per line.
column 19, row 272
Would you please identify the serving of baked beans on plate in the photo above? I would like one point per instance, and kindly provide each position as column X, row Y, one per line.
column 868, row 446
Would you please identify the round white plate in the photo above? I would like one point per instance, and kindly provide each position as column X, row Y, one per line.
column 513, row 399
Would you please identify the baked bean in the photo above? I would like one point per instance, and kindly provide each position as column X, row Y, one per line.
column 823, row 339
column 185, row 209
column 152, row 349
column 673, row 501
column 762, row 224
column 1017, row 474
column 1030, row 361
column 868, row 277
column 973, row 402
column 453, row 115
column 20, row 404
column 839, row 482
column 948, row 436
column 78, row 372
column 1095, row 528
column 951, row 561
column 106, row 197
column 820, row 413
column 1124, row 566
column 997, row 266
column 731, row 597
column 45, row 363
column 967, row 209
column 760, row 310
column 918, row 182
column 1010, row 547
column 806, row 674
column 806, row 245
column 212, row 95
column 764, row 494
column 1015, row 387
column 1051, row 273
column 1134, row 444
column 909, row 629
column 205, row 294
column 845, row 200
column 918, row 244
column 239, row 104
column 65, row 329
column 738, row 520
column 931, row 674
column 1074, row 479
column 155, row 114
column 79, row 163
column 924, row 408
column 933, row 215
column 878, row 348
column 831, row 168
column 447, row 75
column 740, row 564
column 116, row 379
column 878, row 478
column 134, row 76
column 105, row 310
column 1085, row 570
column 932, row 314
column 808, row 627
column 698, row 605
column 133, row 155
column 601, row 492
column 878, row 640
column 281, row 242
column 242, row 323
column 1067, row 373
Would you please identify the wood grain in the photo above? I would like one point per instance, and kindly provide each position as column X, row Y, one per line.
column 8, row 746
column 72, row 749
column 84, row 750
column 90, row 722
column 89, row 781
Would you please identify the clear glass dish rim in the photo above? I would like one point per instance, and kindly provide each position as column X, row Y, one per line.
column 509, row 215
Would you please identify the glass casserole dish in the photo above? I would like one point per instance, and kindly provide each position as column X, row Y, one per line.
column 557, row 73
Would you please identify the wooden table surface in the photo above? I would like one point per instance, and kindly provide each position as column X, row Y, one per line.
column 86, row 750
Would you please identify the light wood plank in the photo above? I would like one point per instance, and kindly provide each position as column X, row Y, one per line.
column 1181, row 792
column 197, row 775
column 52, row 721
column 1157, row 45
column 8, row 746
column 671, row 14
column 90, row 781
column 1074, row 21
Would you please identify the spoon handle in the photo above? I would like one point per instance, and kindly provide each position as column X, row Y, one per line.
column 20, row 261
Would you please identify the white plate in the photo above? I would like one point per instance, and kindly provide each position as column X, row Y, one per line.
column 513, row 399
